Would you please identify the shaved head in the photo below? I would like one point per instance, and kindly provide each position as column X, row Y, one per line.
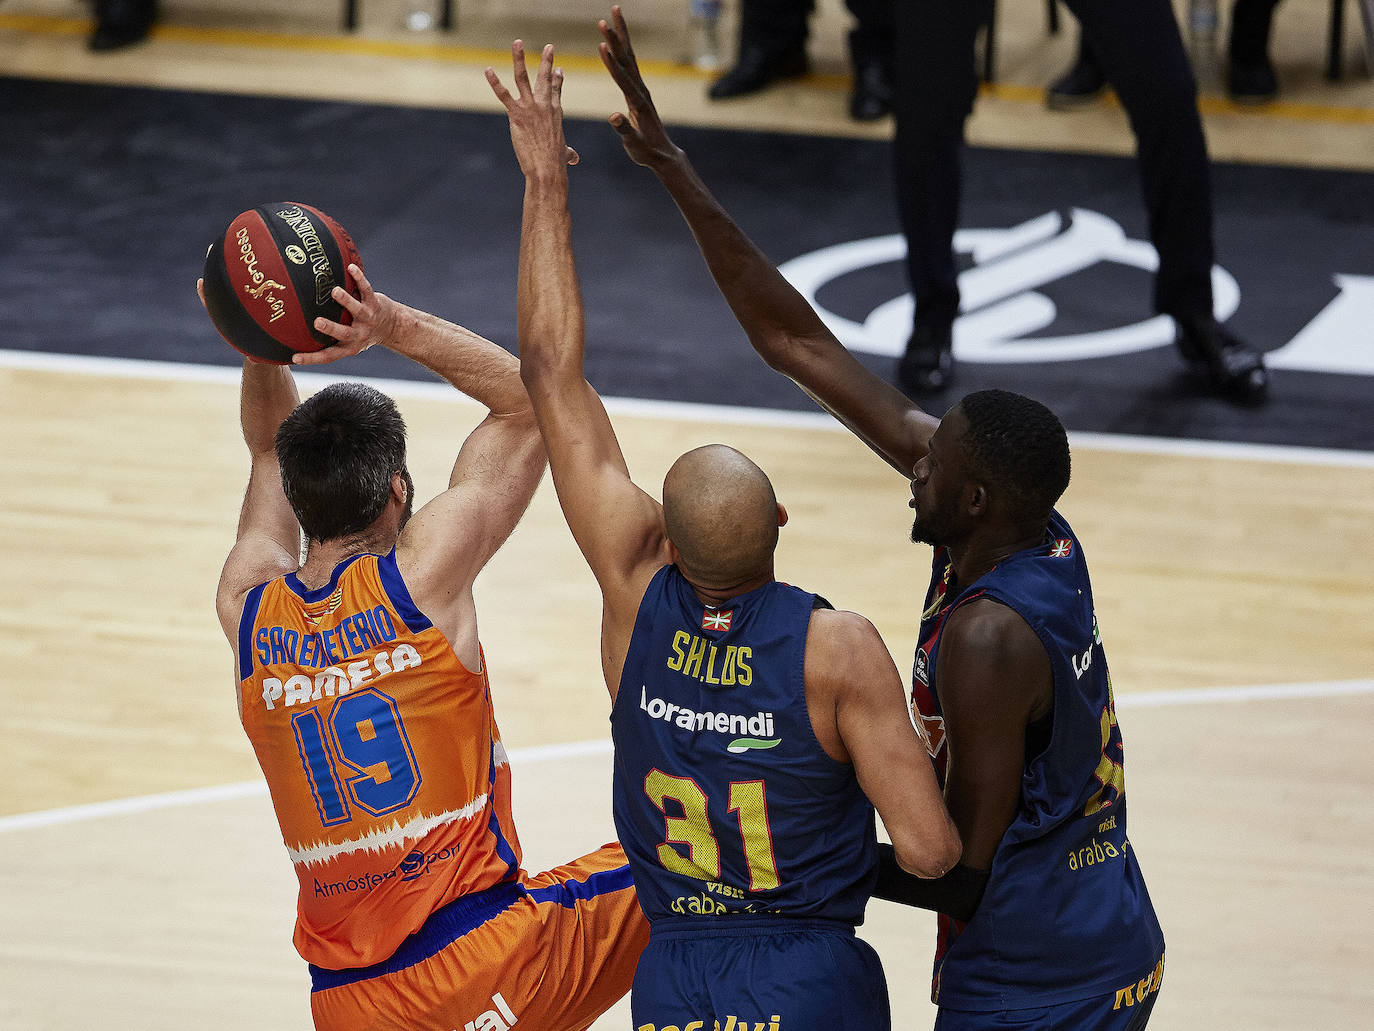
column 721, row 515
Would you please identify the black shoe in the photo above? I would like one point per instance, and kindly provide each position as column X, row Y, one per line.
column 928, row 365
column 1252, row 82
column 1232, row 369
column 121, row 23
column 872, row 96
column 1081, row 84
column 756, row 69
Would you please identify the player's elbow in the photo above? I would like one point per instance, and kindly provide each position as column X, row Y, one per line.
column 932, row 853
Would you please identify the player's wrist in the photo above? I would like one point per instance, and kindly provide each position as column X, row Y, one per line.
column 551, row 183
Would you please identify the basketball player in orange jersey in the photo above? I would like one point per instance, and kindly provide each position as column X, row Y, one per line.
column 755, row 728
column 363, row 689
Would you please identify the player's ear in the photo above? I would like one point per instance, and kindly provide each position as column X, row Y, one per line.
column 398, row 487
column 674, row 556
column 978, row 499
column 782, row 515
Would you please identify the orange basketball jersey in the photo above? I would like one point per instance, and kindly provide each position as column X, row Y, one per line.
column 382, row 756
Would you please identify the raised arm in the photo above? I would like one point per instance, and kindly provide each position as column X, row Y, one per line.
column 781, row 326
column 618, row 527
column 448, row 541
column 268, row 541
column 859, row 713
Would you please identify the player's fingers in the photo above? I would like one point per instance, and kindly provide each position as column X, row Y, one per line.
column 622, row 31
column 502, row 94
column 337, row 330
column 360, row 280
column 522, row 75
column 623, row 78
column 556, row 96
column 604, row 49
column 351, row 304
column 571, row 155
column 544, row 79
column 624, row 126
column 322, row 357
column 200, row 292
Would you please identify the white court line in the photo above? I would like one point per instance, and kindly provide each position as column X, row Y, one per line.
column 139, row 368
column 1247, row 693
column 249, row 789
column 602, row 746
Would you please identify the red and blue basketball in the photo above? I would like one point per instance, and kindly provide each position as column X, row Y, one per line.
column 271, row 274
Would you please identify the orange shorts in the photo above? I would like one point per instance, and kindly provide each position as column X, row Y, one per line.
column 553, row 951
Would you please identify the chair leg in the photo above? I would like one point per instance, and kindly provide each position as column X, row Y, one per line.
column 990, row 42
column 1334, row 40
column 446, row 15
column 1367, row 19
column 1052, row 16
column 350, row 15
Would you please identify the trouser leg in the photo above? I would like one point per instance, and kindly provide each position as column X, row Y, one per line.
column 935, row 83
column 1141, row 53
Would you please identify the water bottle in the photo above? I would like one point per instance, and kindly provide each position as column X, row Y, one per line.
column 703, row 34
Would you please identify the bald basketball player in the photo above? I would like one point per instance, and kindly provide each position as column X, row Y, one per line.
column 364, row 690
column 752, row 723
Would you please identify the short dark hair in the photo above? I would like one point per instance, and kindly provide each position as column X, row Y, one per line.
column 1019, row 446
column 337, row 452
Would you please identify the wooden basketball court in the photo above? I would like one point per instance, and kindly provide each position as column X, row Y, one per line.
column 142, row 880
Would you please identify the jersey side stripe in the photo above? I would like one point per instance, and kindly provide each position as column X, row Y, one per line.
column 246, row 621
column 396, row 590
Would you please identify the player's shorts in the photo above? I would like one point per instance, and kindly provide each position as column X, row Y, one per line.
column 554, row 952
column 1127, row 1008
column 756, row 974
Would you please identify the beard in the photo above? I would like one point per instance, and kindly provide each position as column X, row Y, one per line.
column 930, row 529
column 922, row 534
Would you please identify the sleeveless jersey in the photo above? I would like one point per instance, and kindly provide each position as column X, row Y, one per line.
column 382, row 756
column 724, row 801
column 1065, row 914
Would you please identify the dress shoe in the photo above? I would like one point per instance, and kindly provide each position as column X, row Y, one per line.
column 121, row 23
column 1081, row 84
column 928, row 365
column 872, row 95
column 1251, row 82
column 756, row 69
column 1232, row 369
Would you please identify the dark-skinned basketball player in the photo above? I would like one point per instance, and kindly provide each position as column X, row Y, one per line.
column 1045, row 922
column 750, row 719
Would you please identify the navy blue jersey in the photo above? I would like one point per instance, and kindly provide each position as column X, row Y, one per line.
column 724, row 800
column 1065, row 915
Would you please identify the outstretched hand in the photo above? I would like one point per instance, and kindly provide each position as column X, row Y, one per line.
column 641, row 130
column 536, row 115
column 372, row 315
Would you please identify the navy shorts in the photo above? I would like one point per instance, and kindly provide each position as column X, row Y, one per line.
column 759, row 975
column 1127, row 1008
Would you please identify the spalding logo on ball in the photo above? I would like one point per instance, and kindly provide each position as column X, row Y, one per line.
column 269, row 276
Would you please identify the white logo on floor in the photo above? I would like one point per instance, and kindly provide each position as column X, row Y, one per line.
column 1002, row 306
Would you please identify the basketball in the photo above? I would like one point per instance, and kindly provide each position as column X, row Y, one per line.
column 269, row 276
